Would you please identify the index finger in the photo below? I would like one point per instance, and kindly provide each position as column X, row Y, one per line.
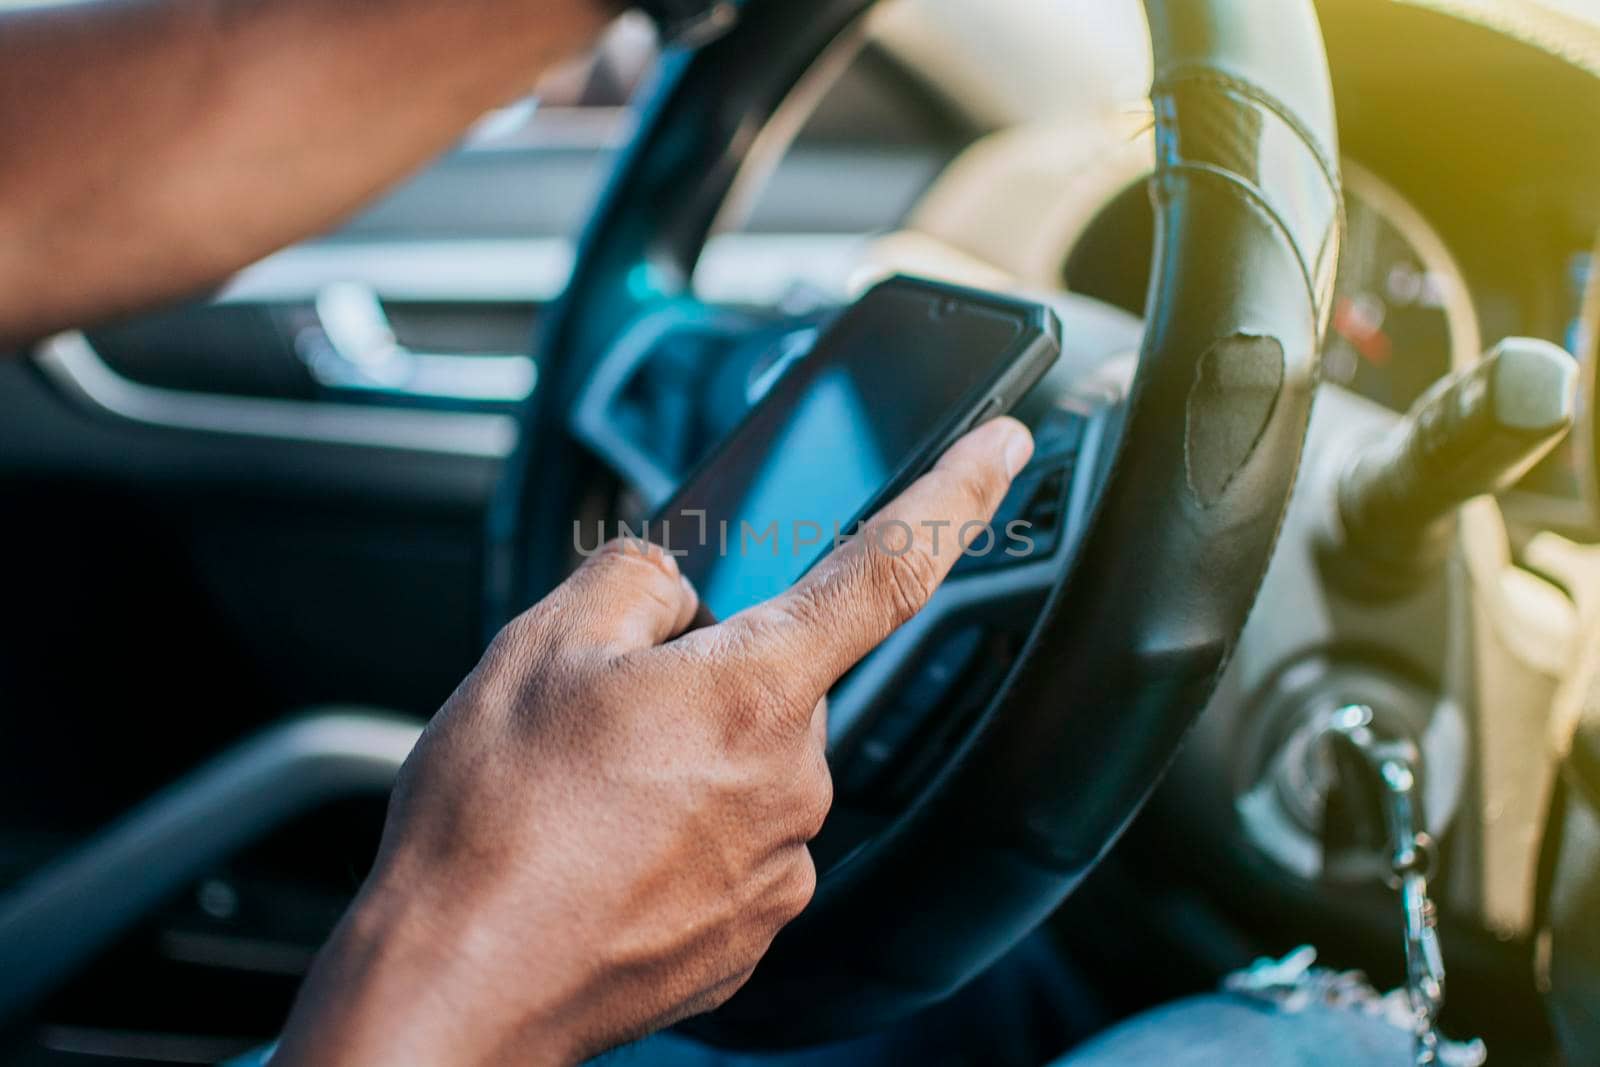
column 865, row 589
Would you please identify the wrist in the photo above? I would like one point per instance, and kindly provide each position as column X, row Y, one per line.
column 401, row 983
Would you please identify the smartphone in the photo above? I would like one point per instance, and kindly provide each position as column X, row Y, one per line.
column 893, row 381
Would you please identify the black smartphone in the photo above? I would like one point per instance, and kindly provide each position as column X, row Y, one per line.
column 894, row 380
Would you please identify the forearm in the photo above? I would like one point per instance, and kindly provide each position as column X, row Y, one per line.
column 153, row 146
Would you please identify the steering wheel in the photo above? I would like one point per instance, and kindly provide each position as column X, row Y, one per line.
column 1123, row 643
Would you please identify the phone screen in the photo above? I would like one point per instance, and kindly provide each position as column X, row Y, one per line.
column 885, row 384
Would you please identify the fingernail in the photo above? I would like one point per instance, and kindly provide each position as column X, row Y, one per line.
column 1019, row 448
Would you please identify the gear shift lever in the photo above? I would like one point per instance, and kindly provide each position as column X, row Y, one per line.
column 1477, row 431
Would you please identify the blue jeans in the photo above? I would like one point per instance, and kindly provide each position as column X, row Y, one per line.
column 1030, row 1006
column 1024, row 1012
column 1215, row 1030
column 1226, row 1029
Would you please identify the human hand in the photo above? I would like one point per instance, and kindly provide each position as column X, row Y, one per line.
column 607, row 824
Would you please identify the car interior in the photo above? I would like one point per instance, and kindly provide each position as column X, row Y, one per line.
column 1316, row 503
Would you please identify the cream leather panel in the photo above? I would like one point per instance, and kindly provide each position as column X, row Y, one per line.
column 1056, row 177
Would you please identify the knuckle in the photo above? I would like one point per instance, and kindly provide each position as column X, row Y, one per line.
column 767, row 633
column 807, row 606
column 524, row 630
column 985, row 486
column 525, row 641
column 727, row 687
column 661, row 593
column 621, row 553
column 751, row 683
column 624, row 576
column 744, row 704
column 801, row 885
column 818, row 802
column 906, row 580
column 973, row 488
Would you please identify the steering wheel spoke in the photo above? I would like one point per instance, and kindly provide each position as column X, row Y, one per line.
column 677, row 378
column 898, row 710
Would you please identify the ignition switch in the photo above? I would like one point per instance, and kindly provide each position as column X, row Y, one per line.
column 1289, row 773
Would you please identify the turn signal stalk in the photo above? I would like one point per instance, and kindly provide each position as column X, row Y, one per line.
column 1477, row 431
